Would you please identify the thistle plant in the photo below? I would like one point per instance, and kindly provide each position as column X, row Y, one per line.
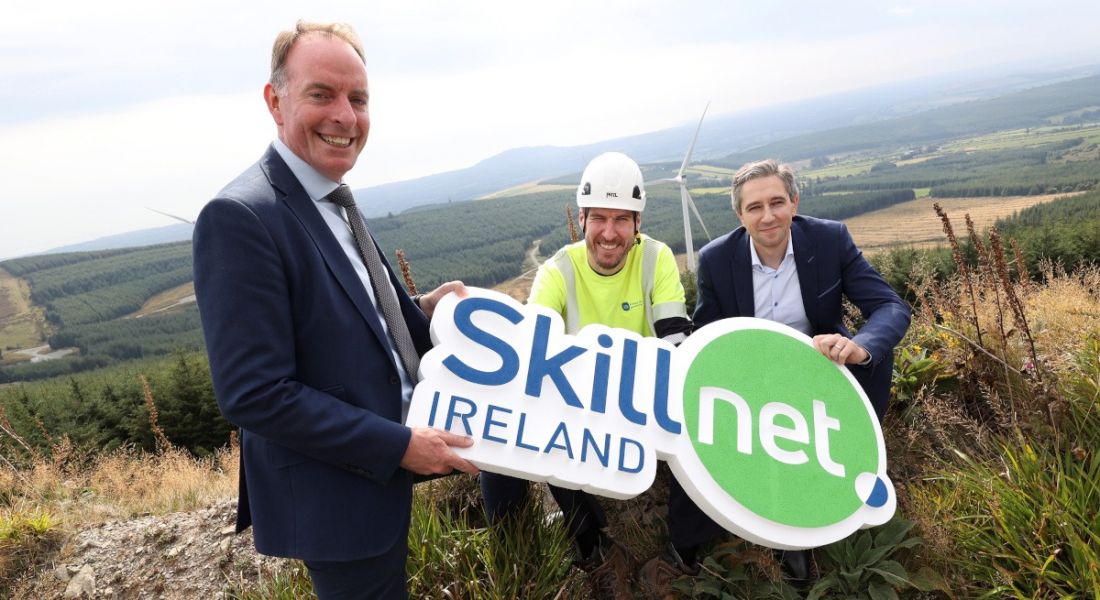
column 406, row 272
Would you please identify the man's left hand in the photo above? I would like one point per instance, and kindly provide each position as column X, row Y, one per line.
column 840, row 349
column 429, row 300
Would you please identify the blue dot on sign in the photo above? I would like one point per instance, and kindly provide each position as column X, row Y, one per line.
column 775, row 304
column 626, row 306
column 878, row 494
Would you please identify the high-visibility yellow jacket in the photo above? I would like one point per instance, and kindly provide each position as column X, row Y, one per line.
column 646, row 290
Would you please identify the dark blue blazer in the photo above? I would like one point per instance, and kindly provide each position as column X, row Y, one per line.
column 300, row 363
column 830, row 267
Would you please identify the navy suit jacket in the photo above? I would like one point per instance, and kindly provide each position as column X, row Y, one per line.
column 830, row 267
column 301, row 364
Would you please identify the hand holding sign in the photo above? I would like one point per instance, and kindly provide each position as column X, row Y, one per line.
column 769, row 438
column 839, row 349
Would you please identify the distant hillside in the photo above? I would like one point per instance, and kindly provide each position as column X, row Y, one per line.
column 721, row 135
column 1033, row 107
column 868, row 116
column 143, row 237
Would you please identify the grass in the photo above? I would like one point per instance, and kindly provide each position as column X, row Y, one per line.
column 529, row 188
column 1002, row 140
column 22, row 325
column 992, row 438
column 914, row 223
column 711, row 170
column 1022, row 138
column 847, row 167
column 82, row 490
column 997, row 444
column 709, row 190
column 27, row 541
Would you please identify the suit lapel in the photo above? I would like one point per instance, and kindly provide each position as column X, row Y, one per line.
column 296, row 199
column 805, row 260
column 742, row 274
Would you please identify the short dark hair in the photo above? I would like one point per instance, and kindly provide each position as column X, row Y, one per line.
column 763, row 168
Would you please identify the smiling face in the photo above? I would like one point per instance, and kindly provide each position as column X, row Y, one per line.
column 322, row 113
column 608, row 236
column 766, row 212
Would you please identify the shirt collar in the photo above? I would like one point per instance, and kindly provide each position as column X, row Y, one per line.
column 315, row 184
column 756, row 257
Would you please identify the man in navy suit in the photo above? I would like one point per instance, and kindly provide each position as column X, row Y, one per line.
column 301, row 356
column 796, row 270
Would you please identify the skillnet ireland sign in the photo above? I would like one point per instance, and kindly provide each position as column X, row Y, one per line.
column 772, row 440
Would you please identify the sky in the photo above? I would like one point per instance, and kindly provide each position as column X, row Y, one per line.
column 110, row 108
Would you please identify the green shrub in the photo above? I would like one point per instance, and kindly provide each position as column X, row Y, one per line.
column 27, row 541
column 450, row 556
column 1027, row 524
column 737, row 570
column 865, row 565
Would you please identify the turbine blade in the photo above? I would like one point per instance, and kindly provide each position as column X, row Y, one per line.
column 694, row 209
column 691, row 148
column 169, row 215
column 689, row 248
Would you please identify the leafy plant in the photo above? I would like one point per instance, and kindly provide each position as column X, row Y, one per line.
column 737, row 570
column 865, row 565
column 1028, row 524
column 27, row 540
column 691, row 293
column 913, row 370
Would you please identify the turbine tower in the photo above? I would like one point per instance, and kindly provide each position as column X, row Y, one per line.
column 685, row 198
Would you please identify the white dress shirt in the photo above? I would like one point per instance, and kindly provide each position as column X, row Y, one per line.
column 777, row 293
column 318, row 186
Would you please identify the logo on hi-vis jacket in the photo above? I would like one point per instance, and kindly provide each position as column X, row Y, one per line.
column 772, row 440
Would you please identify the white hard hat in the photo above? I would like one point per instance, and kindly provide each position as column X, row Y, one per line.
column 612, row 180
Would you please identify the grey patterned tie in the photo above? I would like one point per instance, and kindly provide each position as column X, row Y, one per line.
column 383, row 293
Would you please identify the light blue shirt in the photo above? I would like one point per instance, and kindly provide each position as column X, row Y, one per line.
column 318, row 186
column 777, row 293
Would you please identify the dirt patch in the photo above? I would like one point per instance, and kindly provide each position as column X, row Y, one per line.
column 520, row 287
column 175, row 298
column 528, row 188
column 181, row 555
column 22, row 324
column 915, row 223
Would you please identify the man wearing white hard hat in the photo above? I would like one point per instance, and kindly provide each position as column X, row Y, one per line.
column 616, row 277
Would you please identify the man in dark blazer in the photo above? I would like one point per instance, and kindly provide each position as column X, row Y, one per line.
column 796, row 270
column 301, row 356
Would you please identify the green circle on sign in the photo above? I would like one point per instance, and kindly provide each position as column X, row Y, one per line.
column 801, row 472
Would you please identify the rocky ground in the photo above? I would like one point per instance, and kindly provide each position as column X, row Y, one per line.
column 186, row 555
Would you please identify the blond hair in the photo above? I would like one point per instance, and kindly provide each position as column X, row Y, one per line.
column 286, row 40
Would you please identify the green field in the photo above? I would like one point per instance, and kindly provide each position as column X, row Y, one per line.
column 1023, row 138
column 711, row 170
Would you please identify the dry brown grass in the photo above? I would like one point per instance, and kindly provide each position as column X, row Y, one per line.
column 914, row 223
column 1062, row 312
column 119, row 485
column 1001, row 345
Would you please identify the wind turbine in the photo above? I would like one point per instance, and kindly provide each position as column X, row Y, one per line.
column 161, row 212
column 685, row 198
